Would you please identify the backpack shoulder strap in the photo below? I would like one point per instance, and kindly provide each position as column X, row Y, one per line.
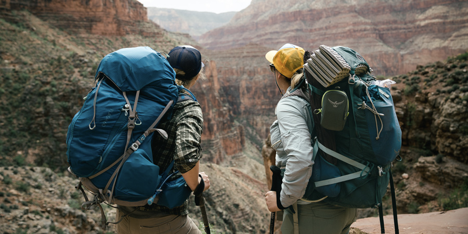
column 185, row 95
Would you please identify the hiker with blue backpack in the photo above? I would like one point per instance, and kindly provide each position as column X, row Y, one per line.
column 291, row 138
column 336, row 136
column 182, row 146
column 135, row 143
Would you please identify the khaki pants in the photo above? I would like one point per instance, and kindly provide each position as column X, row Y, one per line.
column 319, row 218
column 177, row 224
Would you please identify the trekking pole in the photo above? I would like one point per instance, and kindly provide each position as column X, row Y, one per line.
column 275, row 186
column 200, row 201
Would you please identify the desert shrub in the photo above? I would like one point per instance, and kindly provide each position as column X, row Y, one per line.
column 458, row 198
column 74, row 204
column 462, row 57
column 5, row 208
column 413, row 207
column 22, row 187
column 7, row 180
column 462, row 65
column 411, row 89
column 454, row 88
column 401, row 185
column 38, row 186
column 415, row 79
column 399, row 167
column 19, row 160
column 449, row 82
column 75, row 195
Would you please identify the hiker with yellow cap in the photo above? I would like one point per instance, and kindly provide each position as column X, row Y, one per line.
column 291, row 137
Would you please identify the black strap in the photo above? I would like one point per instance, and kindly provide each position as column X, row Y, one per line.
column 395, row 215
column 382, row 226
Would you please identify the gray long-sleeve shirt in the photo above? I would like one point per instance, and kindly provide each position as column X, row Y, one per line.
column 292, row 140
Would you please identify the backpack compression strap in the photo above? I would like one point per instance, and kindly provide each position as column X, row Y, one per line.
column 365, row 170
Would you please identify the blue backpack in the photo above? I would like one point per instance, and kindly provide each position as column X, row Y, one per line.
column 109, row 139
column 356, row 130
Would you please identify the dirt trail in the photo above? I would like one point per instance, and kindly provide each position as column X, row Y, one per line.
column 450, row 222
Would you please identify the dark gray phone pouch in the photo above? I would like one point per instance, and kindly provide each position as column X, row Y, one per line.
column 335, row 110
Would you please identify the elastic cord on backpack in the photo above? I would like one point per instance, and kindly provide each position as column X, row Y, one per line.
column 376, row 114
column 94, row 106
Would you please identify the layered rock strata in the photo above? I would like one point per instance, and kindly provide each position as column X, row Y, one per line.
column 101, row 17
column 393, row 36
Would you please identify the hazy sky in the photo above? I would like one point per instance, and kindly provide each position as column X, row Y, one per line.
column 216, row 6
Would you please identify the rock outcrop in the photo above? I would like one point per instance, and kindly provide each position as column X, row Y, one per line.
column 249, row 88
column 37, row 200
column 101, row 17
column 221, row 138
column 393, row 36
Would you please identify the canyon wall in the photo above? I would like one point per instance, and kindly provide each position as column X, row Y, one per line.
column 394, row 36
column 99, row 17
column 249, row 88
column 192, row 22
column 221, row 137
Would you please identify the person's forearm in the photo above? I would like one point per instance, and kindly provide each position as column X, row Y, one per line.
column 191, row 177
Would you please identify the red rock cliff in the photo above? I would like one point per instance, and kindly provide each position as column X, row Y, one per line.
column 393, row 36
column 221, row 137
column 102, row 17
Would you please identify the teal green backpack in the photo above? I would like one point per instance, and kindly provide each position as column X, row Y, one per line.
column 357, row 134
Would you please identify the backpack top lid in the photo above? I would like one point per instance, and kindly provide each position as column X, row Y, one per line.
column 131, row 69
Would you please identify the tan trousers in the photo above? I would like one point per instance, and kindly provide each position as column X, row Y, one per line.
column 177, row 224
column 320, row 218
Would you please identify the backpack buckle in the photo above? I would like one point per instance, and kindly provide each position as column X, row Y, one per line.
column 135, row 146
column 381, row 172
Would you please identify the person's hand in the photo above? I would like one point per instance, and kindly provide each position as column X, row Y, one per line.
column 206, row 179
column 270, row 198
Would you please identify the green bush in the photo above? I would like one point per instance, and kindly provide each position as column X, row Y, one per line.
column 462, row 57
column 74, row 204
column 411, row 89
column 75, row 195
column 454, row 88
column 19, row 160
column 399, row 167
column 458, row 198
column 413, row 207
column 22, row 187
column 401, row 185
column 21, row 231
column 462, row 65
column 38, row 186
column 7, row 180
column 449, row 82
column 415, row 79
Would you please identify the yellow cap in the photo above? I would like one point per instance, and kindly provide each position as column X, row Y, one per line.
column 287, row 60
